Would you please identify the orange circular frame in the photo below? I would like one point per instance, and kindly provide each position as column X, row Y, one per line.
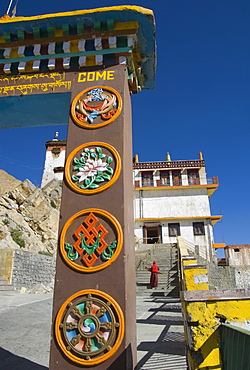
column 94, row 126
column 105, row 264
column 118, row 341
column 115, row 176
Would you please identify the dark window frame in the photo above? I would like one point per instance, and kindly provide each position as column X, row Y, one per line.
column 177, row 178
column 165, row 178
column 147, row 178
column 174, row 225
column 198, row 226
column 193, row 177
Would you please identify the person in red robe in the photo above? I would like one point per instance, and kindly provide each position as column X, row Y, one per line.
column 154, row 269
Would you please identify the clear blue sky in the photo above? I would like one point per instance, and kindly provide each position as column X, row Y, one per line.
column 200, row 102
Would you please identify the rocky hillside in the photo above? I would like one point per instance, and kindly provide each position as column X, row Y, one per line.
column 29, row 216
column 7, row 182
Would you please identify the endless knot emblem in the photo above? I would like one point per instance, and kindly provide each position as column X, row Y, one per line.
column 92, row 241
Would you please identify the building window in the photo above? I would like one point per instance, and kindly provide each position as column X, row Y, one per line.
column 147, row 179
column 193, row 177
column 164, row 178
column 199, row 228
column 174, row 229
column 176, row 178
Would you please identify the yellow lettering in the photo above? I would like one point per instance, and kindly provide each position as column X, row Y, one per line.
column 91, row 76
column 82, row 77
column 101, row 75
column 110, row 75
column 95, row 76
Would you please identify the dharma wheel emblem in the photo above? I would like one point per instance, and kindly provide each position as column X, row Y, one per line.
column 89, row 327
column 92, row 167
column 91, row 240
column 96, row 107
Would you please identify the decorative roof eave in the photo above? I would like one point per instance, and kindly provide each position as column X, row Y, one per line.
column 169, row 165
column 55, row 143
column 51, row 23
column 213, row 219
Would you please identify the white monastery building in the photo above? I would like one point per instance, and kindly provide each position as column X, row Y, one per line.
column 171, row 198
column 54, row 160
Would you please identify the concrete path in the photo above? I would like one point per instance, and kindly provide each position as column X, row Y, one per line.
column 25, row 324
column 160, row 335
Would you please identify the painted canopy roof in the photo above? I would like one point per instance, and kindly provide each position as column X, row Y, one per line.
column 124, row 23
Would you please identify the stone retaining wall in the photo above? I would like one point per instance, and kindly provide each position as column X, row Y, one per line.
column 30, row 269
column 226, row 277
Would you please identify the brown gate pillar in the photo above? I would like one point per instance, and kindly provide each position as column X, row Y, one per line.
column 94, row 299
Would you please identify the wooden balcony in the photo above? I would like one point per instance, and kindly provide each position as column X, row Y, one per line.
column 166, row 182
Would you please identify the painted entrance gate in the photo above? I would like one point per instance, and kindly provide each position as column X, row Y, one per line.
column 80, row 68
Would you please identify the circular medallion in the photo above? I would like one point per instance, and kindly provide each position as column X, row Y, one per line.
column 91, row 240
column 89, row 327
column 92, row 167
column 96, row 107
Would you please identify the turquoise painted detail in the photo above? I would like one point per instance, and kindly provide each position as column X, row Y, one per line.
column 91, row 324
column 89, row 249
column 48, row 109
column 82, row 308
column 65, row 55
column 109, row 251
column 95, row 345
column 91, row 169
column 71, row 254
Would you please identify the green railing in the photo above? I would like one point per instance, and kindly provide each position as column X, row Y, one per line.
column 235, row 347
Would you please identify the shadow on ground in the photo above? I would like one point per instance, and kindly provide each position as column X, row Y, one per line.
column 170, row 343
column 9, row 361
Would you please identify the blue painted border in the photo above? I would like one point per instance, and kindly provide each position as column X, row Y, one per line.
column 35, row 110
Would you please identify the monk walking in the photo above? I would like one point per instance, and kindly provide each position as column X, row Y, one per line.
column 154, row 269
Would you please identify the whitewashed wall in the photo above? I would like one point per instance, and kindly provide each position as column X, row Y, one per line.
column 52, row 161
column 171, row 203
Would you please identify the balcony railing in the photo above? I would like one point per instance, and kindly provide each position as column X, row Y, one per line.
column 194, row 181
column 212, row 180
column 177, row 182
column 147, row 183
column 163, row 182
